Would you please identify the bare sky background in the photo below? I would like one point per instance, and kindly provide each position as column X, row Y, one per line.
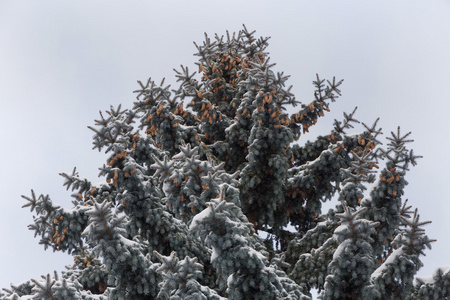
column 63, row 61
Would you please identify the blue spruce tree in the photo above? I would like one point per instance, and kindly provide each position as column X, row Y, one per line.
column 207, row 195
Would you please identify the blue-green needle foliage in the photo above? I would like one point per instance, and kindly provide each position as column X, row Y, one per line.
column 207, row 195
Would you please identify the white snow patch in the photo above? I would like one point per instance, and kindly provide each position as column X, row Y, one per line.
column 229, row 280
column 166, row 188
column 128, row 242
column 322, row 224
column 206, row 213
column 184, row 127
column 253, row 252
column 214, row 254
column 87, row 230
column 341, row 248
column 387, row 262
column 340, row 228
column 239, row 237
column 426, row 280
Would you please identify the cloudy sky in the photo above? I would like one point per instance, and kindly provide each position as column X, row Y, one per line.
column 63, row 61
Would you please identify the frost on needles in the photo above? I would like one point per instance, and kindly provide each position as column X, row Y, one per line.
column 207, row 195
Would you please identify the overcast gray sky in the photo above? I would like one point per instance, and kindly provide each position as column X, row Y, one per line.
column 63, row 61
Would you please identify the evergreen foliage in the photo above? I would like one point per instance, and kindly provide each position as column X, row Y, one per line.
column 207, row 195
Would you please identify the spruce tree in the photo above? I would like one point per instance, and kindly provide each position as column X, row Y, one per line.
column 208, row 195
